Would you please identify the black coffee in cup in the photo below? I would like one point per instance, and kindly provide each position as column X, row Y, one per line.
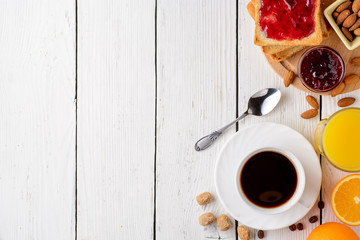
column 268, row 179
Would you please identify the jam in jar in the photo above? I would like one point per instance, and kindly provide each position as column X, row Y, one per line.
column 321, row 69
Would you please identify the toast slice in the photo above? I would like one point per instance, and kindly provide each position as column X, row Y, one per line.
column 314, row 38
column 273, row 49
column 281, row 56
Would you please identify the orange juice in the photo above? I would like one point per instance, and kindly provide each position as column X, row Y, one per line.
column 341, row 139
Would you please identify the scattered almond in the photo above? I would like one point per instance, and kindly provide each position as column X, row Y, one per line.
column 355, row 61
column 339, row 89
column 356, row 6
column 206, row 219
column 345, row 102
column 343, row 6
column 350, row 20
column 223, row 222
column 342, row 16
column 204, row 198
column 347, row 34
column 243, row 232
column 309, row 114
column 359, row 14
column 355, row 26
column 289, row 78
column 335, row 14
column 357, row 32
column 312, row 101
column 351, row 79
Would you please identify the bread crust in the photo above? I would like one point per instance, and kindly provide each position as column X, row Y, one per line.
column 281, row 56
column 271, row 49
column 314, row 39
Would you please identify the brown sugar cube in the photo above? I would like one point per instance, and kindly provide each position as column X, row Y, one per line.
column 243, row 232
column 206, row 219
column 204, row 198
column 223, row 222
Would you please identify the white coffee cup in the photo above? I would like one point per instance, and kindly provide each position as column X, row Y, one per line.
column 296, row 196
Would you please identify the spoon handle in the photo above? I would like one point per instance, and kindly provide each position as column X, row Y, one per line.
column 207, row 141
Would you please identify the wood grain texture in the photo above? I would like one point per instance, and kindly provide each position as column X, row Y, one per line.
column 331, row 175
column 256, row 74
column 196, row 95
column 37, row 127
column 116, row 119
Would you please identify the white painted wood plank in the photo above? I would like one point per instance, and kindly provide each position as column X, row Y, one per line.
column 116, row 119
column 331, row 175
column 256, row 74
column 37, row 126
column 196, row 95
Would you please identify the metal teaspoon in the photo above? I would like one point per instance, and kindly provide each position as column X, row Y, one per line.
column 261, row 103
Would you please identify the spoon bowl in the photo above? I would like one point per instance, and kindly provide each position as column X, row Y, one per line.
column 264, row 101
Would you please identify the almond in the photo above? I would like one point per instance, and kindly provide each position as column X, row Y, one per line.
column 339, row 89
column 343, row 6
column 356, row 6
column 342, row 16
column 345, row 102
column 357, row 32
column 355, row 61
column 358, row 14
column 309, row 114
column 355, row 26
column 289, row 78
column 347, row 34
column 351, row 79
column 312, row 101
column 350, row 20
column 335, row 14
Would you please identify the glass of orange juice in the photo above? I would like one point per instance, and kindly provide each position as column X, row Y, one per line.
column 338, row 139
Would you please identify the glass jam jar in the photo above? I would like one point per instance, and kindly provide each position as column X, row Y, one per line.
column 321, row 69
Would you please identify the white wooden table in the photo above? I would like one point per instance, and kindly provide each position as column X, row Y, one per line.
column 101, row 102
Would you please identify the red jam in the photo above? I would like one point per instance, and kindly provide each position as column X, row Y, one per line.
column 287, row 19
column 321, row 69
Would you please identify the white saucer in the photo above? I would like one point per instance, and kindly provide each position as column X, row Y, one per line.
column 248, row 140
